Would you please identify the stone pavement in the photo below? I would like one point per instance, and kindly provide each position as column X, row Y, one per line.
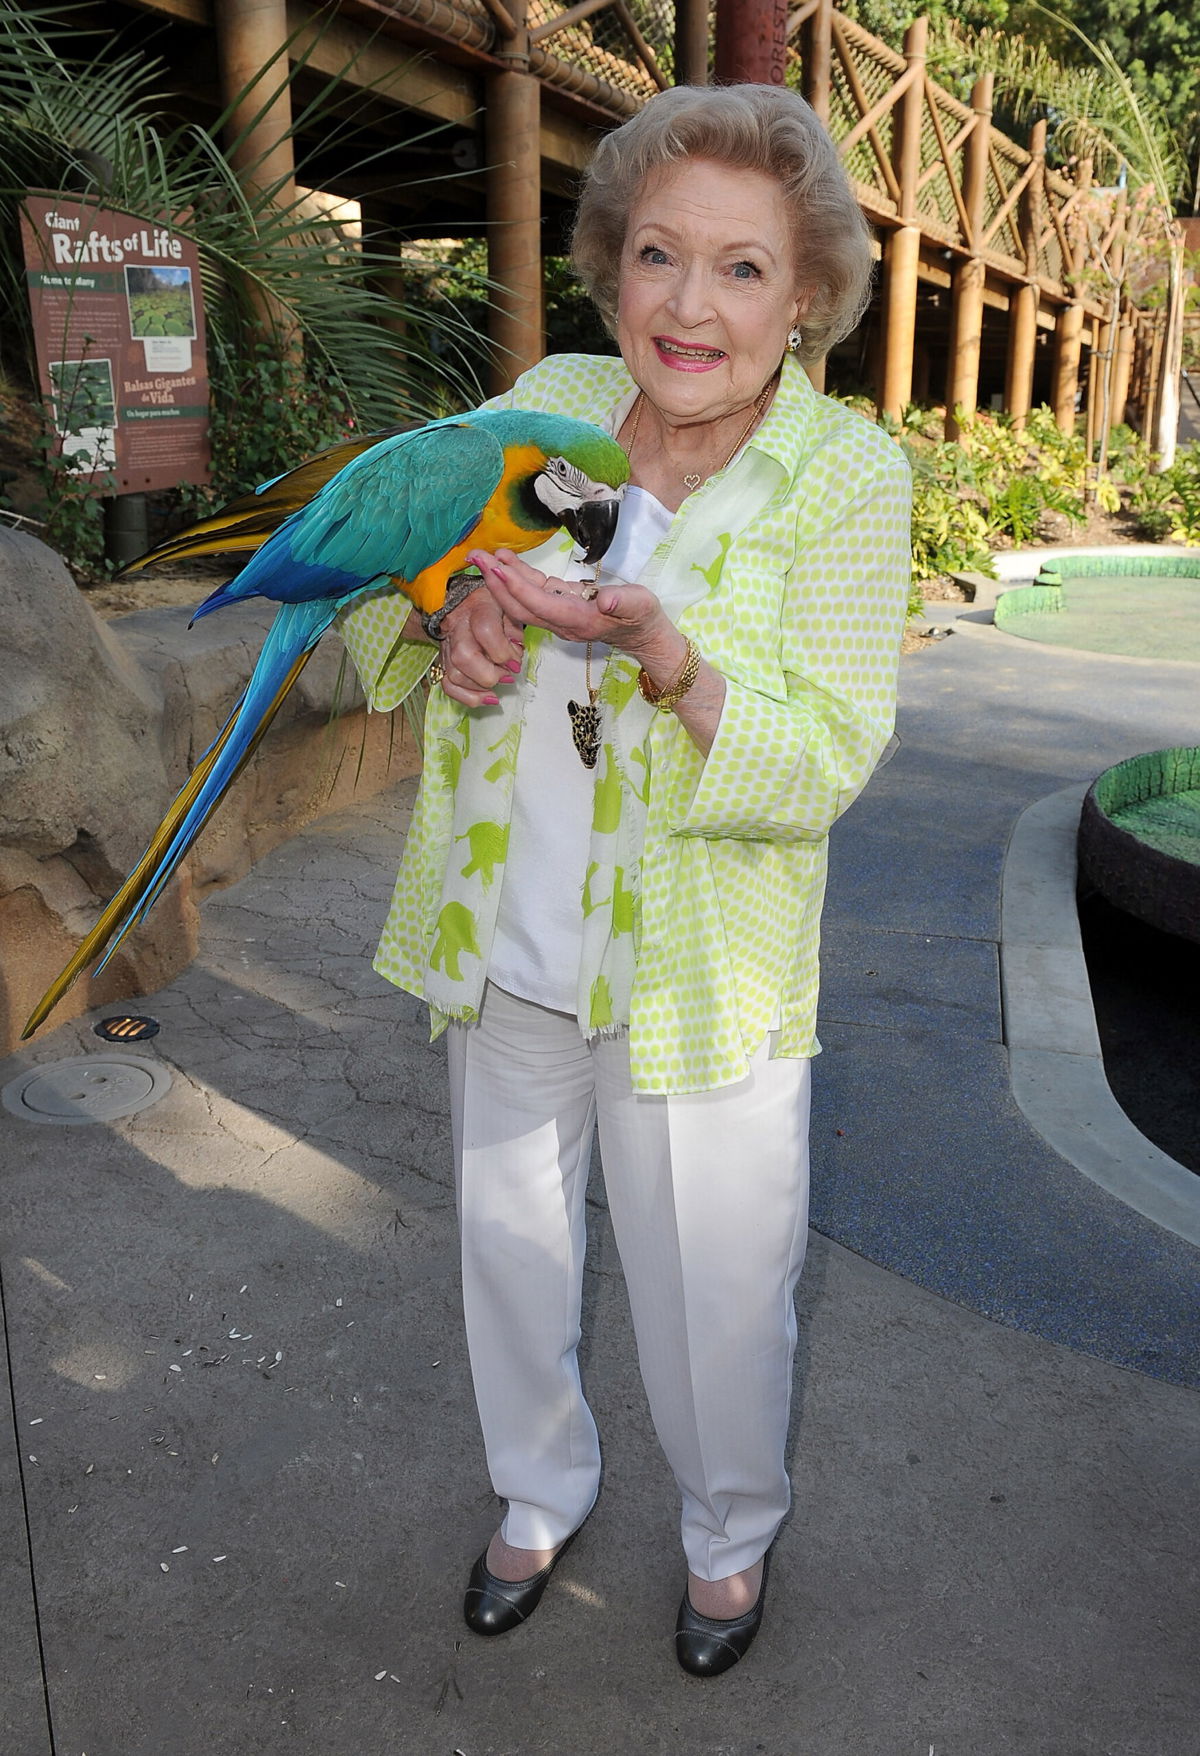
column 242, row 1425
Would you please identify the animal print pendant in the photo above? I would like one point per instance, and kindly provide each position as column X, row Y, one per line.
column 585, row 728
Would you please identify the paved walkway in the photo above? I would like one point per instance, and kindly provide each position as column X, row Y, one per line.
column 242, row 1431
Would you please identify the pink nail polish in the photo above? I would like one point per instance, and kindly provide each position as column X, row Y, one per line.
column 513, row 665
column 491, row 700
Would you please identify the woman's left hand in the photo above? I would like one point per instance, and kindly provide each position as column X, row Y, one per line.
column 626, row 616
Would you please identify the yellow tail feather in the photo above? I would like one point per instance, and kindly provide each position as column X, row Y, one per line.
column 141, row 878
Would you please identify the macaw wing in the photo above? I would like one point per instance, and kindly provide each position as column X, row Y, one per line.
column 400, row 507
column 247, row 522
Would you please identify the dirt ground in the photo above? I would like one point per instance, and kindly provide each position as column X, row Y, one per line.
column 183, row 582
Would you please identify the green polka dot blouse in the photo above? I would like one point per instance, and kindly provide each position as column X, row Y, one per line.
column 790, row 570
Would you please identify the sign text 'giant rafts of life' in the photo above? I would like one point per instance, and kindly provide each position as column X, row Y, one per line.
column 118, row 323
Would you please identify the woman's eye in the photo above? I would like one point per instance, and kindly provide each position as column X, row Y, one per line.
column 745, row 271
column 651, row 253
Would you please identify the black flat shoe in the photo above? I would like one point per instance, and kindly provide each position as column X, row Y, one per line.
column 493, row 1606
column 708, row 1645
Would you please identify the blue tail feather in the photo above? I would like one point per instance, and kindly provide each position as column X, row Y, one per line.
column 295, row 631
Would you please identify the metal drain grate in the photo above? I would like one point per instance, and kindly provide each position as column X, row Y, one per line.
column 88, row 1088
column 127, row 1027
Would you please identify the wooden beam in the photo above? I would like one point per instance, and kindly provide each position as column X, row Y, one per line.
column 902, row 251
column 550, row 27
column 252, row 52
column 970, row 277
column 390, row 70
column 1068, row 329
column 931, row 104
column 642, row 49
column 816, row 53
column 845, row 56
column 691, row 42
column 1022, row 332
column 505, row 22
column 186, row 11
column 516, row 325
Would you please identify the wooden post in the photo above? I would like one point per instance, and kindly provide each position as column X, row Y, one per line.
column 1092, row 424
column 966, row 327
column 691, row 42
column 1122, row 367
column 816, row 57
column 751, row 45
column 251, row 46
column 514, row 210
column 1068, row 325
column 1023, row 306
column 901, row 251
column 816, row 60
column 1109, row 334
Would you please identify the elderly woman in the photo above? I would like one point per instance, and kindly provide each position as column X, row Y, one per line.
column 612, row 886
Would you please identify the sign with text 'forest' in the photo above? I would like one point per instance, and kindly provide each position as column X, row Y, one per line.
column 118, row 324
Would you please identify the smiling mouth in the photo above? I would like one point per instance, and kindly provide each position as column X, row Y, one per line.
column 679, row 351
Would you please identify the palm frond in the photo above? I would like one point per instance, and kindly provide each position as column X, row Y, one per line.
column 94, row 123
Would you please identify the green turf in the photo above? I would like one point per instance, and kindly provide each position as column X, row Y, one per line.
column 1140, row 616
column 1156, row 797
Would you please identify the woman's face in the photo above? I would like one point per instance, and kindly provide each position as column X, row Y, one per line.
column 707, row 290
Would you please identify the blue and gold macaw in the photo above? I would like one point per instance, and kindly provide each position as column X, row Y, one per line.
column 402, row 513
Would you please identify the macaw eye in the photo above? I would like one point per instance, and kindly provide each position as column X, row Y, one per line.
column 566, row 474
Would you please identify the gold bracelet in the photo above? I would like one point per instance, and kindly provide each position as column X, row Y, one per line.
column 670, row 697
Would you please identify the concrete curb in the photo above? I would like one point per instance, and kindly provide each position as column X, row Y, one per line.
column 1055, row 1062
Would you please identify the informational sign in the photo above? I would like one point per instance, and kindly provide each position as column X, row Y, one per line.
column 118, row 323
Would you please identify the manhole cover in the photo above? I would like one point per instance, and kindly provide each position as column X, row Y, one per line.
column 90, row 1088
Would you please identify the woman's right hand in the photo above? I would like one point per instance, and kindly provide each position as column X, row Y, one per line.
column 480, row 649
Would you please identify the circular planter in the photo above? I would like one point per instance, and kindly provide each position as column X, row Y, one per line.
column 1139, row 839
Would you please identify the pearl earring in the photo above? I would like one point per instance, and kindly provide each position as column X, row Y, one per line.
column 794, row 339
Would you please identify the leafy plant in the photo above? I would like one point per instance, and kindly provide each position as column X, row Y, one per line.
column 299, row 343
column 949, row 535
column 1167, row 505
column 1185, row 478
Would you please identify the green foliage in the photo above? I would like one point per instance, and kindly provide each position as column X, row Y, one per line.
column 991, row 487
column 301, row 341
column 573, row 324
column 949, row 535
column 1168, row 505
column 459, row 278
column 274, row 413
column 72, row 524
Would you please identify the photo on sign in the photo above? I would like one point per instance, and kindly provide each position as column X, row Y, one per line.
column 85, row 413
column 160, row 302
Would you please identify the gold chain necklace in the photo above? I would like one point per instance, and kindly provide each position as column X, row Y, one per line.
column 585, row 715
column 692, row 482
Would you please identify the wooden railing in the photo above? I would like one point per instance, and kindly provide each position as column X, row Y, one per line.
column 977, row 192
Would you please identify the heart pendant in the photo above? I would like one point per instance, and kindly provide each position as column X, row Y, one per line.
column 691, row 483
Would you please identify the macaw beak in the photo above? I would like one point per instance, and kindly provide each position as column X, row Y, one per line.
column 593, row 524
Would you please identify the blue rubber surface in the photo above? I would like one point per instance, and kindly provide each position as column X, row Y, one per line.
column 921, row 1160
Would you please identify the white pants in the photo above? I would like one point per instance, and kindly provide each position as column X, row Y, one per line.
column 709, row 1202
